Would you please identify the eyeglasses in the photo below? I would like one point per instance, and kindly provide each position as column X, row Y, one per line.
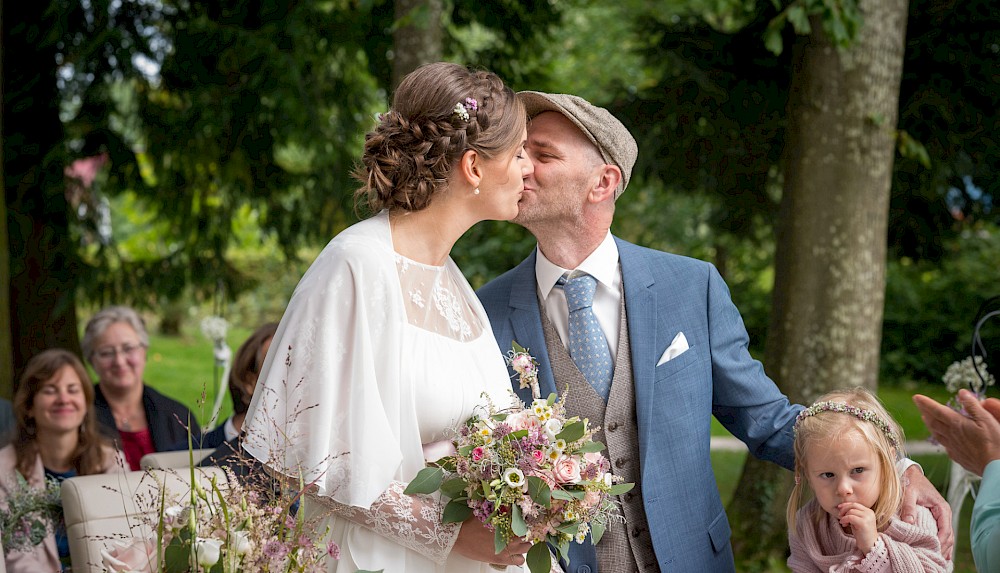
column 126, row 350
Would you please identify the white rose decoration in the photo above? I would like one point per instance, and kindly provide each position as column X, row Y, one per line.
column 207, row 551
column 240, row 543
column 552, row 428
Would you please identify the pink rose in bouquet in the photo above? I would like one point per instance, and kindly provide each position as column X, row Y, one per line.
column 566, row 470
column 135, row 556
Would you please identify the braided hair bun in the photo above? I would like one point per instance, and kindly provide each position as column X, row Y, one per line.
column 439, row 112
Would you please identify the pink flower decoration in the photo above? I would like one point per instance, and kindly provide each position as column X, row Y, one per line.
column 478, row 453
column 137, row 555
column 566, row 470
column 333, row 550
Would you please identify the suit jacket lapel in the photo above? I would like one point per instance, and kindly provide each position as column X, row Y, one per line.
column 644, row 336
column 526, row 324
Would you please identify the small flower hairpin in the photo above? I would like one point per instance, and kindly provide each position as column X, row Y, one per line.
column 462, row 110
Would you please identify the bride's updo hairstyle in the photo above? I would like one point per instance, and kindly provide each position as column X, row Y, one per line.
column 439, row 112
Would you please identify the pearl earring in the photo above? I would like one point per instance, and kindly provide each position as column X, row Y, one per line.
column 476, row 192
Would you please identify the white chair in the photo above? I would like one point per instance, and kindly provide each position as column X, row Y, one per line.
column 178, row 459
column 106, row 507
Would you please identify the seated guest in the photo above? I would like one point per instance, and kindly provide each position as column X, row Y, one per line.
column 138, row 417
column 55, row 438
column 242, row 382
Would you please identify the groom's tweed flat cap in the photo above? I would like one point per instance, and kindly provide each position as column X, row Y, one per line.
column 613, row 140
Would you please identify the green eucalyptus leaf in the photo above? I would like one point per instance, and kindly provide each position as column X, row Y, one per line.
column 499, row 543
column 517, row 524
column 591, row 447
column 427, row 480
column 456, row 511
column 620, row 488
column 453, row 487
column 596, row 531
column 538, row 559
column 539, row 491
column 572, row 432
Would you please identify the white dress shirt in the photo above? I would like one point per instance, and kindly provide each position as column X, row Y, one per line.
column 604, row 266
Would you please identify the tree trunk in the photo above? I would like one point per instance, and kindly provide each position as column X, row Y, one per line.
column 826, row 319
column 417, row 38
column 6, row 347
column 43, row 262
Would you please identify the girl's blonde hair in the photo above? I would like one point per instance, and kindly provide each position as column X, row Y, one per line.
column 866, row 414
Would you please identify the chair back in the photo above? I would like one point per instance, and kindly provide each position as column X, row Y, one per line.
column 178, row 459
column 104, row 508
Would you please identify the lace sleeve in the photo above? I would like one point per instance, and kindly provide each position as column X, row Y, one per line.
column 413, row 521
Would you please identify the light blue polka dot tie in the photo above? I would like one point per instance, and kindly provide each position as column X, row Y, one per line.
column 587, row 345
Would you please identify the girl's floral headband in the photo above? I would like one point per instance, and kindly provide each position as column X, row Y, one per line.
column 461, row 110
column 859, row 413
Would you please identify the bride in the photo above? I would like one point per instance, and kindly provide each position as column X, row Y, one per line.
column 384, row 346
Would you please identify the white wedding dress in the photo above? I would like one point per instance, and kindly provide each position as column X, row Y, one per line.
column 375, row 358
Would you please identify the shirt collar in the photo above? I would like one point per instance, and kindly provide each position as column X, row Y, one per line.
column 602, row 264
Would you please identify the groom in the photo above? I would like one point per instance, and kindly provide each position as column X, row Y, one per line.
column 649, row 345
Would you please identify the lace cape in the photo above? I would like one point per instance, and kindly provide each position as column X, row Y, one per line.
column 329, row 405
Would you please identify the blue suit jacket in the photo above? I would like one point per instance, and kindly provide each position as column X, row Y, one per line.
column 666, row 294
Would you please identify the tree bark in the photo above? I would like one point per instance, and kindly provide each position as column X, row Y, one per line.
column 417, row 38
column 826, row 319
column 43, row 262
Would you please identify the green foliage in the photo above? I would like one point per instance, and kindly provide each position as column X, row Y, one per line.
column 840, row 21
column 947, row 104
column 930, row 307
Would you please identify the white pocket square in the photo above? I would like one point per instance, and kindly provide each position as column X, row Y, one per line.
column 676, row 348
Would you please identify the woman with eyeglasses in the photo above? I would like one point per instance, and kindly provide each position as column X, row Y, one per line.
column 141, row 419
column 55, row 438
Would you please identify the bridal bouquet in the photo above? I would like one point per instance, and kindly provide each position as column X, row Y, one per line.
column 230, row 527
column 31, row 514
column 532, row 473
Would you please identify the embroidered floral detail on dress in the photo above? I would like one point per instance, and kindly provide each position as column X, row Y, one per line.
column 411, row 521
column 450, row 307
column 417, row 298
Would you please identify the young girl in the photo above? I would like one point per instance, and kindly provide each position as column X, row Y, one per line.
column 846, row 446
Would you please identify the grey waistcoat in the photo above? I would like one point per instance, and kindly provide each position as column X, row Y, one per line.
column 626, row 547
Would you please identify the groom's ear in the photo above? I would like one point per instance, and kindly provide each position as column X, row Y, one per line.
column 470, row 167
column 607, row 181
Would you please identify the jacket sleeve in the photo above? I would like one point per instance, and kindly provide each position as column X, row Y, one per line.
column 986, row 520
column 744, row 399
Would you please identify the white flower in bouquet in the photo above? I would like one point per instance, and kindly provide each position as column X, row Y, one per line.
column 176, row 517
column 207, row 551
column 962, row 374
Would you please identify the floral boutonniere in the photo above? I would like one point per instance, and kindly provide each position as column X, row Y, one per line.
column 522, row 362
